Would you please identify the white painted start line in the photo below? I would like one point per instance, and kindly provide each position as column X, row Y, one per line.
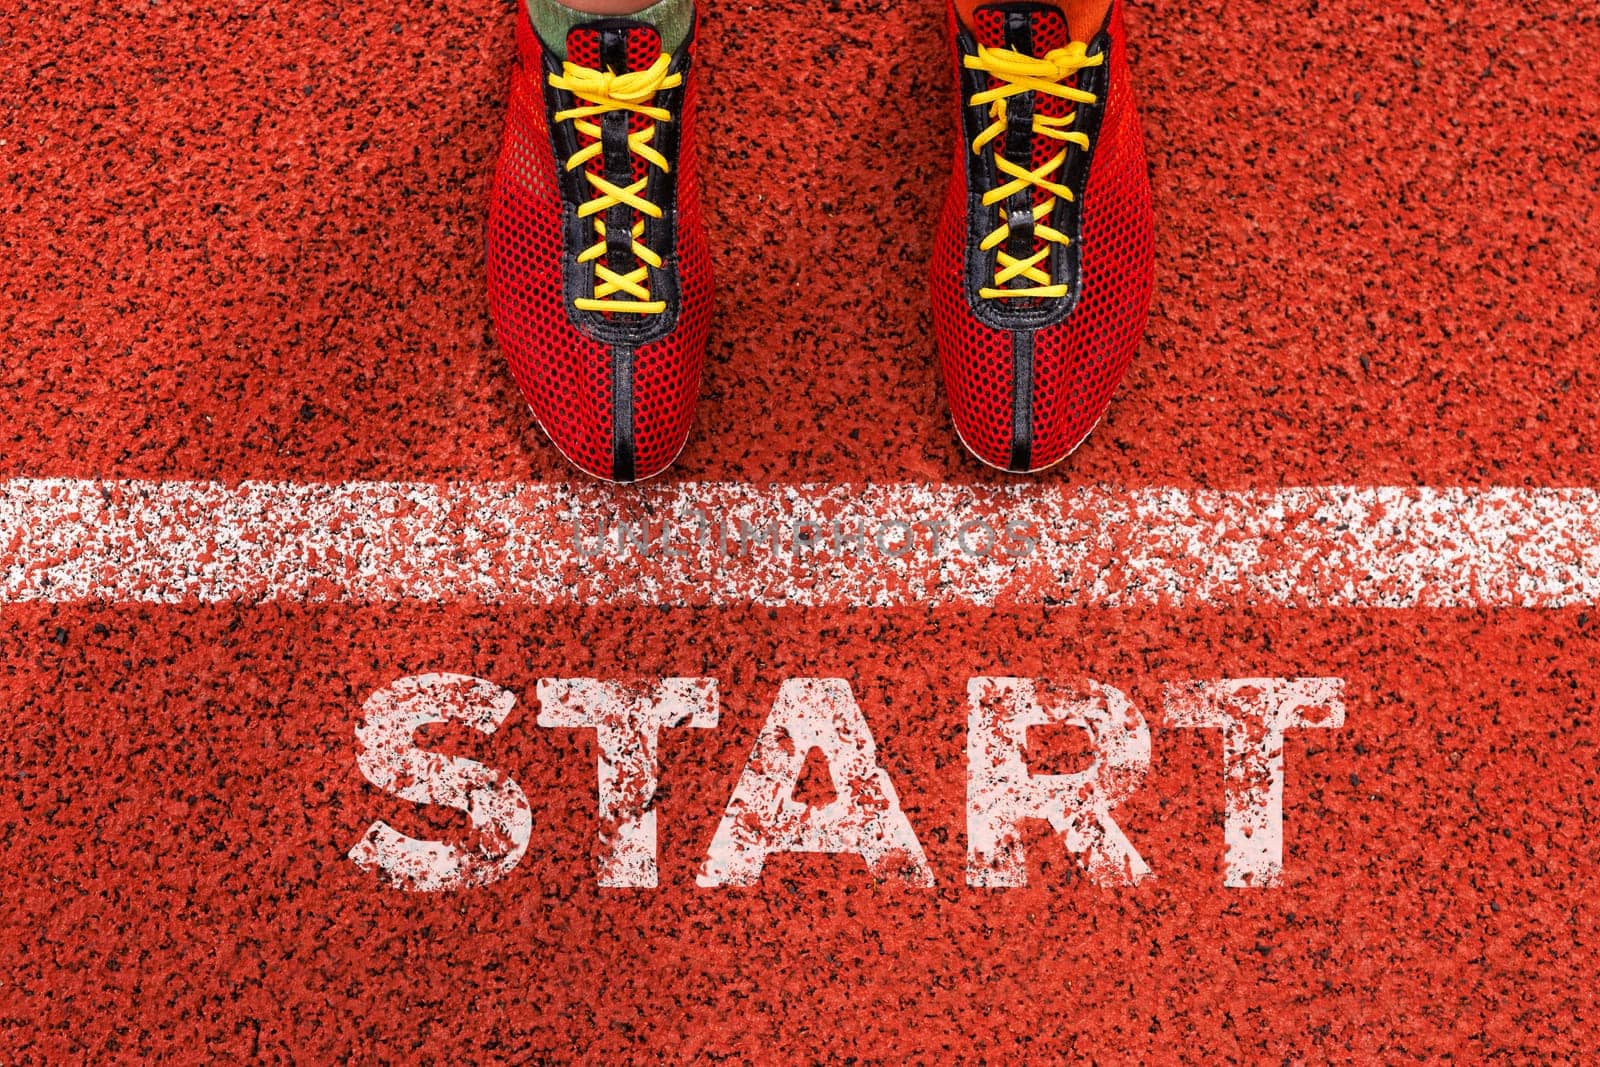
column 849, row 546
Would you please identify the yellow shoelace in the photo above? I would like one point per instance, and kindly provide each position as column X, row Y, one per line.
column 1019, row 74
column 601, row 92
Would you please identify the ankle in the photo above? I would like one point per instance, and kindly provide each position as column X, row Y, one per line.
column 607, row 7
column 554, row 19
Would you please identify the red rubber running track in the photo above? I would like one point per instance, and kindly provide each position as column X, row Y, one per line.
column 241, row 250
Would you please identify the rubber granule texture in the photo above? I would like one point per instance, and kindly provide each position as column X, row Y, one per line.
column 247, row 242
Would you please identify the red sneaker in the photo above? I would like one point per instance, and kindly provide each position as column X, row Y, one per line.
column 1043, row 262
column 599, row 276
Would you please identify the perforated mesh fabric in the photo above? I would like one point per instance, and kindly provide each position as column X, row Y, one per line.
column 644, row 47
column 975, row 359
column 583, row 48
column 566, row 375
column 667, row 372
column 1077, row 364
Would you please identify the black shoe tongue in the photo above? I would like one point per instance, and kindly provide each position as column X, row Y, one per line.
column 1032, row 29
column 618, row 45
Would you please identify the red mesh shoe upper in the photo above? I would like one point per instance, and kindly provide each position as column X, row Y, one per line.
column 566, row 362
column 1077, row 362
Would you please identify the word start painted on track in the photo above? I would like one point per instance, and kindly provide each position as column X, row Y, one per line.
column 865, row 818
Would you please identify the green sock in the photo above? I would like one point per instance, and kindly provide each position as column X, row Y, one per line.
column 552, row 20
